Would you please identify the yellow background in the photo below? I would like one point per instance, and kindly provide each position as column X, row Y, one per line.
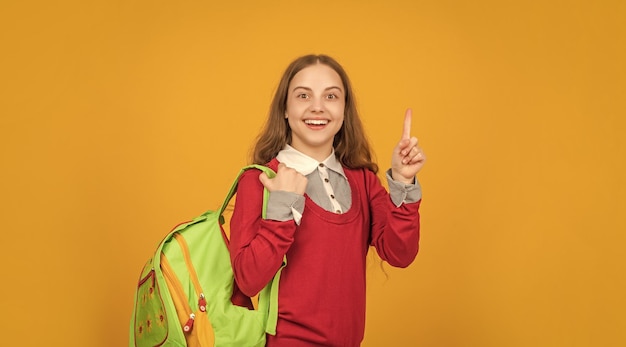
column 121, row 118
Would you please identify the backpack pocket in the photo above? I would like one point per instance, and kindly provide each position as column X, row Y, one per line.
column 150, row 320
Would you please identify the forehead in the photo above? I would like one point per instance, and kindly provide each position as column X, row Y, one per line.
column 318, row 75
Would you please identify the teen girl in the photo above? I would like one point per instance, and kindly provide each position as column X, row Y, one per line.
column 326, row 207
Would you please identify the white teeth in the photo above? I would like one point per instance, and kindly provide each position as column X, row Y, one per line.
column 316, row 121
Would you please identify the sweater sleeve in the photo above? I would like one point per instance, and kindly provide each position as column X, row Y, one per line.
column 395, row 230
column 257, row 246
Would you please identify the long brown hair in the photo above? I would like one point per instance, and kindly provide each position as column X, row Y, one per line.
column 351, row 145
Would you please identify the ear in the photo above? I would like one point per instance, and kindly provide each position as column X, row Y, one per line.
column 286, row 116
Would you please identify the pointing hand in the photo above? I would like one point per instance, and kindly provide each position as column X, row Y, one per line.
column 407, row 158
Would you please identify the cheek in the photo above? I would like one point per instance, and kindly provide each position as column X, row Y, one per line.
column 337, row 110
column 293, row 108
column 293, row 122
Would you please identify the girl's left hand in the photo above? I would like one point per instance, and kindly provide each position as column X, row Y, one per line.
column 407, row 158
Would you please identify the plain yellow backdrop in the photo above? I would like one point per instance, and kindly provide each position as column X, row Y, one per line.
column 121, row 118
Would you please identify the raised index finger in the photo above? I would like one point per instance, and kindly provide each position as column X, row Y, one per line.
column 406, row 130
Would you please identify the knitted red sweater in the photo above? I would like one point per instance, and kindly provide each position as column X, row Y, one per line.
column 322, row 288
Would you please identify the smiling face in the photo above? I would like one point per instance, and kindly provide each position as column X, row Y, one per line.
column 315, row 110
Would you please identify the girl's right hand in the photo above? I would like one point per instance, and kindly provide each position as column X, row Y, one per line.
column 287, row 179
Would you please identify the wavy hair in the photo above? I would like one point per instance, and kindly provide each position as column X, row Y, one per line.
column 351, row 145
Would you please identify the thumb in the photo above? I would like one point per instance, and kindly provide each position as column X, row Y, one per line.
column 264, row 179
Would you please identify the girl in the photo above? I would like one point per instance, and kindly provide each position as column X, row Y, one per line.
column 326, row 207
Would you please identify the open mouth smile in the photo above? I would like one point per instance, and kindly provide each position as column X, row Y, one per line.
column 316, row 122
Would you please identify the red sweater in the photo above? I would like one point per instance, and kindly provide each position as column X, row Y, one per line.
column 322, row 289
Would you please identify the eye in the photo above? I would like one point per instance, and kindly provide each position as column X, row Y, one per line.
column 302, row 96
column 331, row 96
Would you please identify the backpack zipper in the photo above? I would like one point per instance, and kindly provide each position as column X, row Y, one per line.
column 178, row 289
column 192, row 272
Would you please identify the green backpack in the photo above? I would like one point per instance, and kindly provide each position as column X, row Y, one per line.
column 184, row 292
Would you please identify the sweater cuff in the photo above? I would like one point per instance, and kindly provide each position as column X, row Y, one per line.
column 283, row 206
column 403, row 193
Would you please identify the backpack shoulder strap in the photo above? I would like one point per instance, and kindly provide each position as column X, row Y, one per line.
column 233, row 189
column 268, row 298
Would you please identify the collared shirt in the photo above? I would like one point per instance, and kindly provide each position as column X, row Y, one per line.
column 327, row 186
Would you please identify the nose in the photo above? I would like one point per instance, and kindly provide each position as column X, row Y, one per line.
column 317, row 105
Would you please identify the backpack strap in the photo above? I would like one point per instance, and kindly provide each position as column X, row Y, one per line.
column 268, row 297
column 268, row 300
column 233, row 189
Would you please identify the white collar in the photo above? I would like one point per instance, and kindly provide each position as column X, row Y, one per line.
column 305, row 164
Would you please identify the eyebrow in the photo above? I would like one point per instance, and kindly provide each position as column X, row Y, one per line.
column 309, row 89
